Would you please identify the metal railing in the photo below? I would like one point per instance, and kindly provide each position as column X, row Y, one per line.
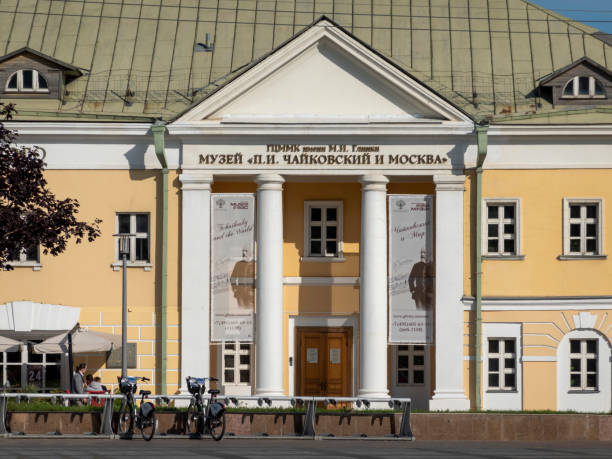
column 310, row 403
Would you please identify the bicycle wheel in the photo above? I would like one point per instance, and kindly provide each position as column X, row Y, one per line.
column 125, row 425
column 193, row 425
column 216, row 427
column 147, row 427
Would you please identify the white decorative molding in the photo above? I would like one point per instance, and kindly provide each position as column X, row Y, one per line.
column 80, row 128
column 321, row 281
column 323, row 321
column 502, row 400
column 584, row 320
column 550, row 130
column 540, row 304
column 539, row 358
column 27, row 316
column 584, row 401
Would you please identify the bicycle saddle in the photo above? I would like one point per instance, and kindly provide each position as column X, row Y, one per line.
column 213, row 391
column 145, row 392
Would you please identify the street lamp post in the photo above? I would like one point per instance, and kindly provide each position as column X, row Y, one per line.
column 124, row 251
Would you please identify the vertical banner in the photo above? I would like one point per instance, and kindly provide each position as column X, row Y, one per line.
column 232, row 266
column 411, row 274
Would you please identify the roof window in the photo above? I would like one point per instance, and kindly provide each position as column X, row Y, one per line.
column 27, row 80
column 583, row 87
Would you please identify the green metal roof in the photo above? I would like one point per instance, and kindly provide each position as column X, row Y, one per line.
column 139, row 57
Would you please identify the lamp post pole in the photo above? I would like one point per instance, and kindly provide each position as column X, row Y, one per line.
column 124, row 250
column 124, row 320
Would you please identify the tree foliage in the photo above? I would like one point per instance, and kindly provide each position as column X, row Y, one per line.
column 30, row 214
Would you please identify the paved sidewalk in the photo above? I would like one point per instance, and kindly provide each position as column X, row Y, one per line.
column 295, row 449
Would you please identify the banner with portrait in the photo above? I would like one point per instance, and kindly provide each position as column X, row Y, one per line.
column 411, row 273
column 232, row 267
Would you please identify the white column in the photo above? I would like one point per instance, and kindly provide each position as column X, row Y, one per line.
column 448, row 393
column 373, row 289
column 195, row 274
column 269, row 286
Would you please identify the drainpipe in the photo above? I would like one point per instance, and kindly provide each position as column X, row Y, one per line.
column 483, row 140
column 159, row 129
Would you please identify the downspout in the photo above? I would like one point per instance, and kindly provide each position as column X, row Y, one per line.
column 483, row 141
column 159, row 129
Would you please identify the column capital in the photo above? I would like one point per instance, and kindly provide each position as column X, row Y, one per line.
column 196, row 180
column 449, row 182
column 269, row 182
column 373, row 182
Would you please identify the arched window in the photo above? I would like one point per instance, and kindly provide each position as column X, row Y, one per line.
column 583, row 87
column 583, row 369
column 26, row 80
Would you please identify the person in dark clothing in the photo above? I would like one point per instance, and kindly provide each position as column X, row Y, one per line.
column 420, row 282
column 78, row 379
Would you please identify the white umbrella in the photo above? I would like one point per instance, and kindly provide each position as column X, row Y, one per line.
column 8, row 344
column 82, row 341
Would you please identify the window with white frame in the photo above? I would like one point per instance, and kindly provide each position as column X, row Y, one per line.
column 23, row 367
column 583, row 364
column 323, row 232
column 583, row 87
column 236, row 359
column 501, row 355
column 582, row 227
column 137, row 226
column 501, row 227
column 27, row 80
column 410, row 365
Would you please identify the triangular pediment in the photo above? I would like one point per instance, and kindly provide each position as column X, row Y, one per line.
column 324, row 75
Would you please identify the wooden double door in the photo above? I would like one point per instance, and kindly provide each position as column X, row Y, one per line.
column 324, row 361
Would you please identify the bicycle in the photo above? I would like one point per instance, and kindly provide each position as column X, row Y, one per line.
column 143, row 418
column 199, row 417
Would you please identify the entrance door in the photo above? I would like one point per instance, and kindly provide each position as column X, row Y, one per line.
column 324, row 362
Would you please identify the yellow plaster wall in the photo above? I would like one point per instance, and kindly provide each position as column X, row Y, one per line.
column 542, row 331
column 82, row 276
column 541, row 273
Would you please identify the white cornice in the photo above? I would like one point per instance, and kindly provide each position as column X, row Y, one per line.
column 556, row 130
column 540, row 303
column 73, row 128
column 195, row 128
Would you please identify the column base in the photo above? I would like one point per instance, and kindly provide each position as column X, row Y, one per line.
column 269, row 393
column 449, row 401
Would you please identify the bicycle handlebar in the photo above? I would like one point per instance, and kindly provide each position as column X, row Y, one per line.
column 209, row 378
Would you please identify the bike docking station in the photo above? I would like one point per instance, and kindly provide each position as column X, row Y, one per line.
column 359, row 407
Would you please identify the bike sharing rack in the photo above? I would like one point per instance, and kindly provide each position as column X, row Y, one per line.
column 405, row 430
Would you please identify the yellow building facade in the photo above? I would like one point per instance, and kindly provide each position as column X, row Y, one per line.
column 324, row 135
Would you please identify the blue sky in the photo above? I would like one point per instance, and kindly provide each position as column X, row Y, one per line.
column 590, row 12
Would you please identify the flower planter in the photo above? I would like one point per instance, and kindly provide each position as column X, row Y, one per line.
column 426, row 426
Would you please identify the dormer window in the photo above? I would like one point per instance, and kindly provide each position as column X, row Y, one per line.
column 27, row 80
column 584, row 87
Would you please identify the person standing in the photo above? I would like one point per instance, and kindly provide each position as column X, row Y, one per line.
column 78, row 380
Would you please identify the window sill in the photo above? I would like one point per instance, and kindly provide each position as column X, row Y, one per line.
column 26, row 264
column 323, row 259
column 118, row 265
column 503, row 257
column 585, row 97
column 501, row 391
column 582, row 257
column 586, row 391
